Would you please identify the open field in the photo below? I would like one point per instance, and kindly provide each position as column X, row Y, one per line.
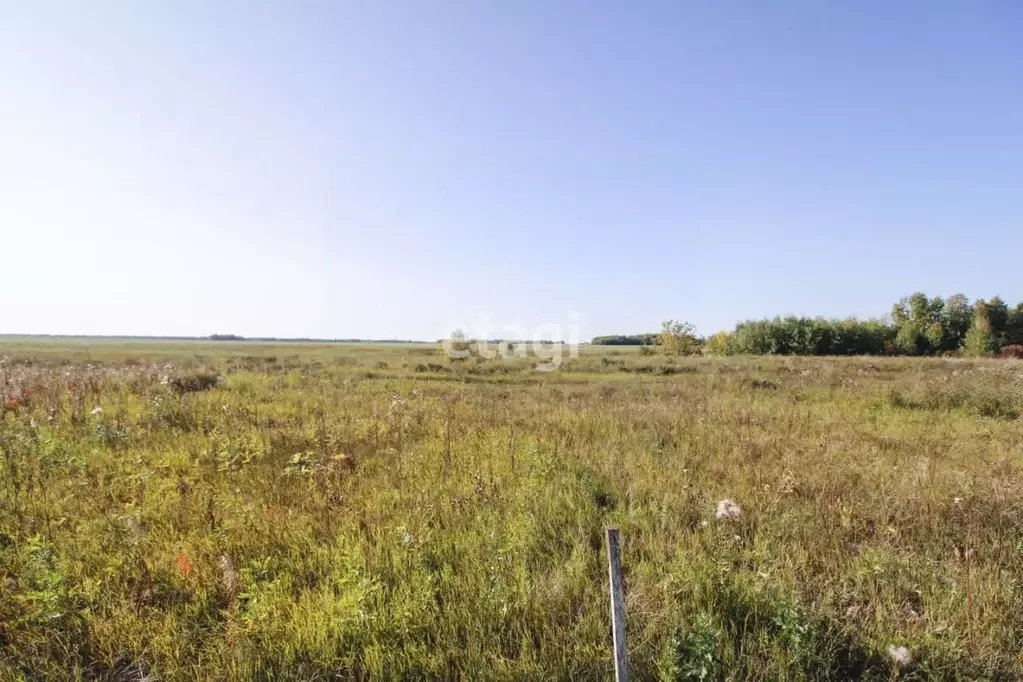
column 377, row 512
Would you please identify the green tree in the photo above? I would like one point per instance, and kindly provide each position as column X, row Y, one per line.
column 917, row 320
column 998, row 314
column 1016, row 325
column 718, row 344
column 678, row 338
column 980, row 342
column 956, row 318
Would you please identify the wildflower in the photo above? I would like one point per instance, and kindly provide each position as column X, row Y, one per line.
column 184, row 564
column 900, row 656
column 728, row 509
column 957, row 500
column 97, row 410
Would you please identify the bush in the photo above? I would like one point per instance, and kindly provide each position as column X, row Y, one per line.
column 430, row 367
column 691, row 653
column 194, row 382
column 718, row 344
column 678, row 338
column 1012, row 352
column 458, row 346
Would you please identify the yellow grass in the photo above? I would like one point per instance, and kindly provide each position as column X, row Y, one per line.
column 377, row 512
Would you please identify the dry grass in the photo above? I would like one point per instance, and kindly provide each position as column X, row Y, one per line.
column 378, row 513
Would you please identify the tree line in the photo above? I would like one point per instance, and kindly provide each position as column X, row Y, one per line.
column 917, row 325
column 625, row 340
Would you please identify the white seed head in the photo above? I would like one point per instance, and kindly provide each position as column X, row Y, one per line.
column 900, row 656
column 728, row 509
column 229, row 575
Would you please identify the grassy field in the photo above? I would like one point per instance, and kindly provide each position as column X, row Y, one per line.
column 182, row 511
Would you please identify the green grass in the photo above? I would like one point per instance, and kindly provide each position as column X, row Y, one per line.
column 376, row 512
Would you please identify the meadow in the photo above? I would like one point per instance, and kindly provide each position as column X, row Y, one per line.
column 221, row 510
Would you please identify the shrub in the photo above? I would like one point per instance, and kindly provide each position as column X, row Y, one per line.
column 458, row 346
column 718, row 344
column 678, row 338
column 430, row 367
column 1012, row 352
column 196, row 381
column 691, row 653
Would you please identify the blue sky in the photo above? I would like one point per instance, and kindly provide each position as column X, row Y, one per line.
column 397, row 169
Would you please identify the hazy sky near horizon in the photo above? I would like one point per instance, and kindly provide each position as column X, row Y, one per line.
column 400, row 168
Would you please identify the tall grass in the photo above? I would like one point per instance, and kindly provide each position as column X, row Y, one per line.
column 341, row 512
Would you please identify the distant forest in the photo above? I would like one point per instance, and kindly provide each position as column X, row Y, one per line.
column 917, row 325
column 625, row 340
column 274, row 339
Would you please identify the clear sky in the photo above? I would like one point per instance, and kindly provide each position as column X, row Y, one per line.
column 398, row 168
